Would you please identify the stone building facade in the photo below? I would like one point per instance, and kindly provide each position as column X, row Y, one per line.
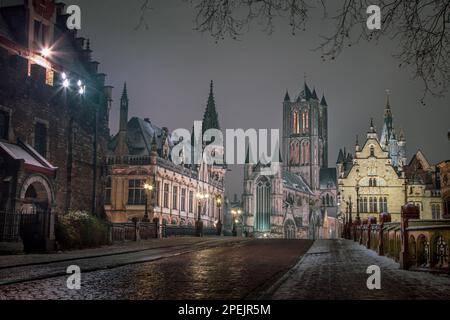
column 140, row 154
column 293, row 195
column 444, row 168
column 377, row 179
column 53, row 137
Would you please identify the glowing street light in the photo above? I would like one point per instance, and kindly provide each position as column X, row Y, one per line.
column 66, row 83
column 148, row 190
column 46, row 52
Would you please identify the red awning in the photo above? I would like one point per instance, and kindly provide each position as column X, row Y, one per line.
column 34, row 162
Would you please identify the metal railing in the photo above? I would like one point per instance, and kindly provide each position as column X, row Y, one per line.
column 9, row 227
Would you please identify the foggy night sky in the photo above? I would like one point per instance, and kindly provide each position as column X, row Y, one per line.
column 168, row 69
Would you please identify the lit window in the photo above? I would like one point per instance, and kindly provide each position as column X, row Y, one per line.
column 49, row 76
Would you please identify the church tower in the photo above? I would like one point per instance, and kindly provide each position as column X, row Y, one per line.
column 305, row 135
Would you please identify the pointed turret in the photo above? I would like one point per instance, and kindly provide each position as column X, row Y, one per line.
column 340, row 157
column 287, row 98
column 211, row 118
column 357, row 146
column 314, row 95
column 372, row 133
column 308, row 93
column 388, row 123
column 122, row 146
column 323, row 102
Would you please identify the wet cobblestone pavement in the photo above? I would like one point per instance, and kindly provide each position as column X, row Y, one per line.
column 236, row 270
column 337, row 270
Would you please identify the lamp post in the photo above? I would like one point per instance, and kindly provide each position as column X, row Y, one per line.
column 236, row 215
column 148, row 189
column 219, row 223
column 357, row 202
column 202, row 199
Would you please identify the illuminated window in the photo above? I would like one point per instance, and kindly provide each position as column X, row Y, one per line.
column 49, row 76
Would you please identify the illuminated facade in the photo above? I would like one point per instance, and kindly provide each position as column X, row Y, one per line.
column 377, row 180
column 140, row 156
column 292, row 196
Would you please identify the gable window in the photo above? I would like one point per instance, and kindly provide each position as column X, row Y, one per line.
column 136, row 193
column 372, row 151
column 4, row 125
column 40, row 138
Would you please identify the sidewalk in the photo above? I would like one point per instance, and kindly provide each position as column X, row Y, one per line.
column 337, row 270
column 10, row 261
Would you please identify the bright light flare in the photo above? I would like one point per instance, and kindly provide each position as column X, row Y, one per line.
column 46, row 52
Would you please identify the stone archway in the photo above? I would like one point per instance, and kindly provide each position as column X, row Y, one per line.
column 37, row 220
column 36, row 194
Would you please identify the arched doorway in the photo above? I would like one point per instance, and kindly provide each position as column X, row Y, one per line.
column 36, row 219
column 290, row 230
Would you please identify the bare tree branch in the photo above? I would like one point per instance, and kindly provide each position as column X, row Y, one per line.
column 420, row 26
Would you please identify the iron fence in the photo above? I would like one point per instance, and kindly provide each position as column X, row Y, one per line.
column 9, row 227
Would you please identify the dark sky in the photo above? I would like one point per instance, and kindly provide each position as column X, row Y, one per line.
column 169, row 66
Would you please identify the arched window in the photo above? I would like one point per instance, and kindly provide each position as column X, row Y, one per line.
column 374, row 182
column 328, row 200
column 370, row 183
column 263, row 205
column 371, row 206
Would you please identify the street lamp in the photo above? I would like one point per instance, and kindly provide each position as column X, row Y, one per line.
column 46, row 52
column 148, row 189
column 219, row 206
column 236, row 214
column 202, row 199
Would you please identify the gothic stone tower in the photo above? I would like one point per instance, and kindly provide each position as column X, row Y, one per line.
column 305, row 135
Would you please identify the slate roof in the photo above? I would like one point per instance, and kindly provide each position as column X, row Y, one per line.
column 328, row 178
column 139, row 137
column 296, row 182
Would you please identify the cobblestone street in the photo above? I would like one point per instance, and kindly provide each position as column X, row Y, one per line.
column 337, row 270
column 213, row 269
column 221, row 269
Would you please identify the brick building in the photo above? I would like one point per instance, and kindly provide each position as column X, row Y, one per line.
column 54, row 110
